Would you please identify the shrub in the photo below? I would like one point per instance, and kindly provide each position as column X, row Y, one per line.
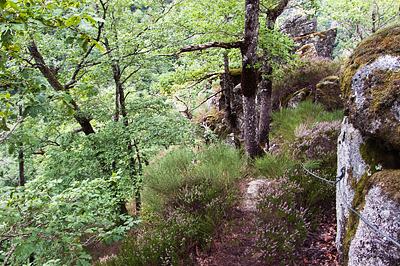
column 187, row 195
column 286, row 121
column 316, row 142
column 305, row 74
column 280, row 221
column 273, row 165
column 44, row 225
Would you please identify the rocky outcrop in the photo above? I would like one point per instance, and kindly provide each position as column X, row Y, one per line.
column 324, row 42
column 328, row 93
column 368, row 150
column 303, row 30
column 299, row 25
column 307, row 51
column 371, row 85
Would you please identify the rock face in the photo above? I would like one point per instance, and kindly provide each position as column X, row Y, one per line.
column 368, row 149
column 324, row 42
column 299, row 25
column 307, row 51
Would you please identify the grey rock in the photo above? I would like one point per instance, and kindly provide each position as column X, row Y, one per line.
column 384, row 214
column 324, row 42
column 250, row 200
column 349, row 156
column 299, row 25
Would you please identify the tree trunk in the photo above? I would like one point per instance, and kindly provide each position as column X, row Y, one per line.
column 228, row 87
column 21, row 159
column 266, row 83
column 84, row 121
column 21, row 164
column 265, row 107
column 249, row 77
column 120, row 109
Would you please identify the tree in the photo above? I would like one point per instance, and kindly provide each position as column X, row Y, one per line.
column 255, row 130
column 249, row 79
column 357, row 19
column 59, row 68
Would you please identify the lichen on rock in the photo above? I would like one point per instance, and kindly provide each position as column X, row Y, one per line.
column 382, row 209
column 371, row 86
column 368, row 147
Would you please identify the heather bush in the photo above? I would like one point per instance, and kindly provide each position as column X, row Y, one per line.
column 281, row 224
column 316, row 142
column 187, row 195
column 305, row 73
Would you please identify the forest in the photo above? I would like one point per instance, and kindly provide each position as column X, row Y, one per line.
column 115, row 117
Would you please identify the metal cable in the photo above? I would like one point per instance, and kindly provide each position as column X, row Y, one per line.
column 366, row 221
column 326, row 180
column 339, row 178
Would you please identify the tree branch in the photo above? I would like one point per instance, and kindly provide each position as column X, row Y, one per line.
column 208, row 98
column 57, row 86
column 205, row 46
column 5, row 136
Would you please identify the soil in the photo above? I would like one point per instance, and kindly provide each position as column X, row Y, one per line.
column 233, row 246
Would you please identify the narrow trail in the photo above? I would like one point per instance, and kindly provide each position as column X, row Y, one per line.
column 233, row 245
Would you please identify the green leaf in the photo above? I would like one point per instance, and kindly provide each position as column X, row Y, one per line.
column 69, row 39
column 66, row 96
column 74, row 20
column 101, row 48
column 3, row 3
column 11, row 148
column 13, row 5
column 42, row 97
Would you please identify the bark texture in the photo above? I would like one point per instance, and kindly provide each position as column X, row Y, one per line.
column 249, row 77
column 228, row 91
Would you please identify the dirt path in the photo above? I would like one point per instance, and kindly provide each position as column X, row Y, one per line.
column 233, row 245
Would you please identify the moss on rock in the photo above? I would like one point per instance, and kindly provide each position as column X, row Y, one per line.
column 370, row 84
column 389, row 181
column 353, row 220
column 383, row 42
column 328, row 93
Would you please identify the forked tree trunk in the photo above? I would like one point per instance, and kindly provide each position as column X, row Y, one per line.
column 249, row 77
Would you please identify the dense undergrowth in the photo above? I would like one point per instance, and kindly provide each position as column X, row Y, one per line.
column 189, row 193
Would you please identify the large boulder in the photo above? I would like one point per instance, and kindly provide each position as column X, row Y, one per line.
column 371, row 86
column 368, row 150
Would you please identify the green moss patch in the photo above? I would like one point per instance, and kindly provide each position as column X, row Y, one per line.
column 383, row 42
column 235, row 72
column 379, row 155
column 389, row 180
